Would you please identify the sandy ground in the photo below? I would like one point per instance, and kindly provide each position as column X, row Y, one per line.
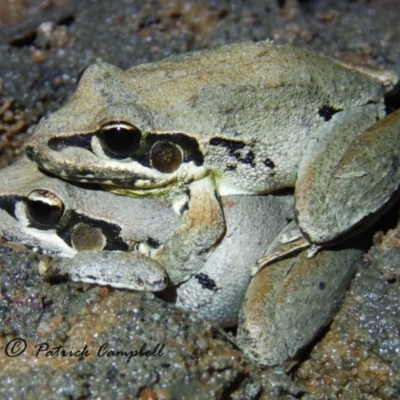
column 44, row 46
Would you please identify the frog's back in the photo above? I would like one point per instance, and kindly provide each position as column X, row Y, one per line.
column 230, row 89
column 251, row 106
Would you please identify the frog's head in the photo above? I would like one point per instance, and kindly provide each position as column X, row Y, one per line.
column 41, row 211
column 94, row 230
column 105, row 135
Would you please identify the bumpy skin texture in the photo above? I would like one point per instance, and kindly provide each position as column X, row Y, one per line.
column 289, row 302
column 285, row 305
column 254, row 114
column 364, row 175
column 119, row 269
column 217, row 290
column 96, row 220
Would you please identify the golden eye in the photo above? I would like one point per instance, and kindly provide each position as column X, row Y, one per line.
column 44, row 209
column 165, row 156
column 119, row 139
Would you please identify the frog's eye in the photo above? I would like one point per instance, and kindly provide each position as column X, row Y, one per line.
column 165, row 156
column 119, row 139
column 44, row 209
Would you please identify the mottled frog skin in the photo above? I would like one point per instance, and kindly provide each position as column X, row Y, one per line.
column 64, row 218
column 109, row 240
column 255, row 117
column 219, row 125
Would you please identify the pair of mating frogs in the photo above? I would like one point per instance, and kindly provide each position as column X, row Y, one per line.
column 190, row 138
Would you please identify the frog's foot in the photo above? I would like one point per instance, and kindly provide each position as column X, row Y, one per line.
column 349, row 174
column 288, row 303
column 289, row 241
column 119, row 269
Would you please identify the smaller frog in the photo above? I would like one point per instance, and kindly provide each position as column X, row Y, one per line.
column 293, row 119
column 102, row 237
column 286, row 305
column 64, row 218
column 43, row 212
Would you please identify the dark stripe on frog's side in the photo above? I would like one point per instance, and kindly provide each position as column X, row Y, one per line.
column 110, row 231
column 7, row 203
column 153, row 243
column 231, row 145
column 269, row 163
column 248, row 159
column 185, row 206
column 233, row 148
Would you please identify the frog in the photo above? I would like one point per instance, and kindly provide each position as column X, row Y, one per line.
column 221, row 291
column 179, row 254
column 52, row 216
column 65, row 219
column 91, row 230
column 254, row 117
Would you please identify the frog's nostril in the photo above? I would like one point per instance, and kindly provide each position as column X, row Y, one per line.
column 29, row 152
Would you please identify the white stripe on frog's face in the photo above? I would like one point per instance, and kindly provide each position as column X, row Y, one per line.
column 68, row 163
column 50, row 242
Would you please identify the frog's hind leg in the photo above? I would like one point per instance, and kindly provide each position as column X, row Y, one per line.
column 349, row 172
column 289, row 302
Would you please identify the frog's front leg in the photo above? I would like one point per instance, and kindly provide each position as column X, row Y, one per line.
column 193, row 242
column 119, row 269
column 289, row 302
column 348, row 174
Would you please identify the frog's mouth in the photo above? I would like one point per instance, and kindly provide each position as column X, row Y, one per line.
column 123, row 191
